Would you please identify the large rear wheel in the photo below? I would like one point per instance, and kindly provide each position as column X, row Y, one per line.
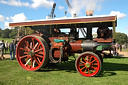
column 32, row 53
column 88, row 64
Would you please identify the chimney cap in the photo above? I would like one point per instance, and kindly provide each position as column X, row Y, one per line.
column 89, row 12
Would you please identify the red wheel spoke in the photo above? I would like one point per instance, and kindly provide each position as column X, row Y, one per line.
column 39, row 50
column 27, row 43
column 27, row 58
column 41, row 53
column 87, row 58
column 22, row 48
column 93, row 71
column 31, row 63
column 27, row 48
column 38, row 46
column 90, row 59
column 25, row 52
column 35, row 46
column 28, row 66
column 88, row 71
column 94, row 67
column 84, row 59
column 85, row 70
column 33, row 42
column 95, row 64
column 81, row 64
column 38, row 55
column 93, row 61
column 24, row 56
column 82, row 68
column 36, row 61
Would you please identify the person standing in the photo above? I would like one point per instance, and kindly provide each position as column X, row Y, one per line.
column 2, row 46
column 6, row 46
column 12, row 50
column 120, row 48
column 114, row 50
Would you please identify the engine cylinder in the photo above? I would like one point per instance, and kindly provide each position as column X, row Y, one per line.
column 81, row 46
column 88, row 45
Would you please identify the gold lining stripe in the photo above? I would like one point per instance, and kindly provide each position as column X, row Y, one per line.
column 63, row 23
column 71, row 22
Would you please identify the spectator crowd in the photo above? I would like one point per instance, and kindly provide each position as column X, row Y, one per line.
column 118, row 47
column 4, row 47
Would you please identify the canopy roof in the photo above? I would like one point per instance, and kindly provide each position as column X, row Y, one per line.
column 67, row 22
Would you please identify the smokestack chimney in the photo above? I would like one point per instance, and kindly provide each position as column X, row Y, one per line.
column 89, row 12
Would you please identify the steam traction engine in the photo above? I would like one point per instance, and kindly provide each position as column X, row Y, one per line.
column 55, row 40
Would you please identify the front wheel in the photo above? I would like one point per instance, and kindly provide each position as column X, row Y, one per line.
column 88, row 64
column 32, row 53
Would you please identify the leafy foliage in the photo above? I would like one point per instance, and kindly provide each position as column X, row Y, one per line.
column 12, row 33
column 0, row 31
column 121, row 38
column 5, row 33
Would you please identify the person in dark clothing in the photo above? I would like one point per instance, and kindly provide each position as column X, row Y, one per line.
column 120, row 48
column 114, row 50
column 2, row 46
column 12, row 49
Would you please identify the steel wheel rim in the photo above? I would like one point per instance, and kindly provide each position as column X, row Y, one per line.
column 88, row 65
column 30, row 53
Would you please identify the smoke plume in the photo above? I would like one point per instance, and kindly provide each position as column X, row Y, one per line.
column 78, row 5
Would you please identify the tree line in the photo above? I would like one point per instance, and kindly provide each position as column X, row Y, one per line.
column 12, row 33
column 8, row 33
column 121, row 38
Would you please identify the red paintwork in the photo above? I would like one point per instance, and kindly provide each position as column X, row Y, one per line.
column 57, row 44
column 103, row 40
column 56, row 49
column 75, row 46
column 56, row 52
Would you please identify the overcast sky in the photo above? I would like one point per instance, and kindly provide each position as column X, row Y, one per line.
column 22, row 10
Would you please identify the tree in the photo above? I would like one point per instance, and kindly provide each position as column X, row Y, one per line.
column 0, row 32
column 5, row 33
column 13, row 33
column 121, row 38
column 25, row 31
column 29, row 31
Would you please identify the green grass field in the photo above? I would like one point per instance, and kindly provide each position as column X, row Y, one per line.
column 115, row 72
column 6, row 39
column 125, row 50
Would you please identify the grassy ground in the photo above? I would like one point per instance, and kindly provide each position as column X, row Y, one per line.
column 6, row 39
column 115, row 72
column 125, row 50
